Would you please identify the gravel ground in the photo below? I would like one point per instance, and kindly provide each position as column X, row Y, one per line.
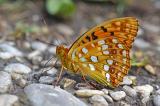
column 23, row 58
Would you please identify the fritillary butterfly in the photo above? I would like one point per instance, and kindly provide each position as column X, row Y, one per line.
column 102, row 53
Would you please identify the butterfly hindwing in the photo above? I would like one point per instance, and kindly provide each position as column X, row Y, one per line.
column 102, row 53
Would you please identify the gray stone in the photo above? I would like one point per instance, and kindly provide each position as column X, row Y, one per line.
column 118, row 95
column 36, row 45
column 122, row 103
column 5, row 82
column 105, row 91
column 65, row 30
column 140, row 43
column 7, row 51
column 52, row 50
column 88, row 92
column 47, row 95
column 158, row 92
column 9, row 100
column 17, row 68
column 130, row 91
column 156, row 100
column 144, row 90
column 98, row 100
column 108, row 98
column 46, row 80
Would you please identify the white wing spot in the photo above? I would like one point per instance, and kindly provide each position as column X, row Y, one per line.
column 106, row 67
column 120, row 46
column 119, row 75
column 82, row 59
column 84, row 50
column 92, row 45
column 114, row 40
column 92, row 67
column 124, row 53
column 110, row 62
column 108, row 77
column 80, row 55
column 106, row 52
column 94, row 59
column 73, row 54
column 101, row 42
column 104, row 47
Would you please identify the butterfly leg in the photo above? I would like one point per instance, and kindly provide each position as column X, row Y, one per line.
column 59, row 76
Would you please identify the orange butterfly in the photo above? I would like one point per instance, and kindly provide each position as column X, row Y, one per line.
column 102, row 53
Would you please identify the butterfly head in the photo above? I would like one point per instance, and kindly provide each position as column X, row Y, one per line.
column 61, row 52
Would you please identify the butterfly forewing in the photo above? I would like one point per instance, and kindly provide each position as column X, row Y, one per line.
column 102, row 53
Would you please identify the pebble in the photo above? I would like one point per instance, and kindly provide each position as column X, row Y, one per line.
column 118, row 95
column 98, row 100
column 122, row 103
column 105, row 91
column 130, row 91
column 127, row 81
column 17, row 68
column 46, row 80
column 52, row 71
column 66, row 82
column 88, row 92
column 65, row 30
column 9, row 100
column 36, row 45
column 5, row 82
column 108, row 98
column 142, row 44
column 156, row 100
column 145, row 99
column 33, row 54
column 8, row 51
column 158, row 92
column 52, row 50
column 144, row 90
column 150, row 69
column 47, row 95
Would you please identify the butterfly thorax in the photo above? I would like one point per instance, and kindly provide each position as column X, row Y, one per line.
column 62, row 54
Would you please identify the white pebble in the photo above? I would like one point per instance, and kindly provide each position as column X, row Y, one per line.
column 9, row 100
column 118, row 95
column 17, row 68
column 88, row 92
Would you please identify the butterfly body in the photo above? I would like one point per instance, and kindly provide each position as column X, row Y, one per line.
column 102, row 53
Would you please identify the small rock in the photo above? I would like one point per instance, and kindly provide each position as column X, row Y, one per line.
column 98, row 100
column 144, row 100
column 122, row 103
column 156, row 100
column 81, row 86
column 118, row 95
column 142, row 44
column 128, row 80
column 130, row 91
column 108, row 98
column 66, row 82
column 140, row 32
column 52, row 50
column 17, row 68
column 47, row 95
column 144, row 90
column 65, row 30
column 36, row 45
column 52, row 71
column 5, row 82
column 88, row 92
column 150, row 69
column 33, row 54
column 7, row 51
column 9, row 100
column 46, row 80
column 105, row 91
column 158, row 92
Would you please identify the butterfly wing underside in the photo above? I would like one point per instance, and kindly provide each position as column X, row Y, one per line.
column 102, row 53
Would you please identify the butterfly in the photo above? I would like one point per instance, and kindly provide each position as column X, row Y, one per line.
column 102, row 53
